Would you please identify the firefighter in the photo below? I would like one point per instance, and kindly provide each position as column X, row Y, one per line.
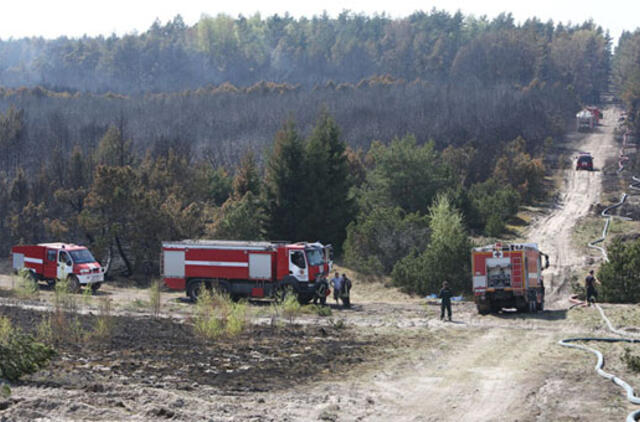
column 346, row 291
column 336, row 283
column 590, row 283
column 445, row 295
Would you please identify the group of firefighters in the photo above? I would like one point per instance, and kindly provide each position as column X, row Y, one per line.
column 341, row 285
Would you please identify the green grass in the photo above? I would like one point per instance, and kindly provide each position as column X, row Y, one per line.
column 291, row 308
column 216, row 315
column 155, row 298
column 323, row 311
column 105, row 323
column 6, row 329
column 27, row 287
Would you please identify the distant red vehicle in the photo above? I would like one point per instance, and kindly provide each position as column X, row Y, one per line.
column 59, row 261
column 584, row 162
column 596, row 112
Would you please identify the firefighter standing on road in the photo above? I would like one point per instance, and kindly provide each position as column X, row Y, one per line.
column 445, row 295
column 346, row 291
column 590, row 283
column 336, row 283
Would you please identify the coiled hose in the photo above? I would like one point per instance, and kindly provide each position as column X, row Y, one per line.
column 569, row 342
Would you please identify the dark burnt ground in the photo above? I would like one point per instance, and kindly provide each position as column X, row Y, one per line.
column 161, row 353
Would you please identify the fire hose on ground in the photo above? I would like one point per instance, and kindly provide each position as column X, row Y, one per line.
column 569, row 342
column 607, row 223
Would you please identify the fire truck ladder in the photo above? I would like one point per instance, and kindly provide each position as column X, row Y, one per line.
column 516, row 268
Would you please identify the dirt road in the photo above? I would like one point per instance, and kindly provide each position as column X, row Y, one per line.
column 579, row 191
column 396, row 360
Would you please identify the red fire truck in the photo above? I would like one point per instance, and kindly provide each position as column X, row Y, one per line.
column 508, row 276
column 246, row 269
column 58, row 261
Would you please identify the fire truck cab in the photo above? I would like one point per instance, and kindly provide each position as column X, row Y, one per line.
column 49, row 262
column 508, row 276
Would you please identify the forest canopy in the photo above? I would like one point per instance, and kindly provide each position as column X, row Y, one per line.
column 433, row 46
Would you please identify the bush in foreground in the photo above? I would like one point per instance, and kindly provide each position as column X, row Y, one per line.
column 20, row 354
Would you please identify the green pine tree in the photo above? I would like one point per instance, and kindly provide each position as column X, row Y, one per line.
column 286, row 186
column 328, row 185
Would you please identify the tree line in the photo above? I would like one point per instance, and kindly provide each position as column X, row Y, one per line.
column 434, row 46
column 221, row 122
column 626, row 76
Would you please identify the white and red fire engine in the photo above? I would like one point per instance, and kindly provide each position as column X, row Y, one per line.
column 246, row 269
column 508, row 276
column 59, row 261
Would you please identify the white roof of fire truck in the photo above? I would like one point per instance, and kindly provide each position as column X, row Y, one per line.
column 60, row 245
column 232, row 244
column 506, row 247
column 584, row 114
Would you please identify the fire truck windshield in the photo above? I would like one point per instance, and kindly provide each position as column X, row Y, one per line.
column 315, row 256
column 82, row 256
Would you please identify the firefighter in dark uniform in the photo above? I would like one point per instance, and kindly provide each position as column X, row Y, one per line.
column 346, row 291
column 590, row 283
column 445, row 295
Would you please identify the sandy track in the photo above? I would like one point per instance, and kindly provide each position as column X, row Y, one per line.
column 579, row 191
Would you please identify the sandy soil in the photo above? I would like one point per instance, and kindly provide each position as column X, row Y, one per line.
column 394, row 360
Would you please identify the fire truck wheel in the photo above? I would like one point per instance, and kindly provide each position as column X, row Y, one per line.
column 304, row 299
column 193, row 289
column 484, row 309
column 95, row 287
column 541, row 306
column 74, row 284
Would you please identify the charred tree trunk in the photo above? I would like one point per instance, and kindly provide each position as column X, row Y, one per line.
column 124, row 256
column 107, row 265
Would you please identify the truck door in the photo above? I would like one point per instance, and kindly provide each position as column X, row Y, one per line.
column 298, row 265
column 51, row 264
column 65, row 265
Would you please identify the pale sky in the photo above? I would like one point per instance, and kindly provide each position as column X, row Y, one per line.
column 74, row 18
